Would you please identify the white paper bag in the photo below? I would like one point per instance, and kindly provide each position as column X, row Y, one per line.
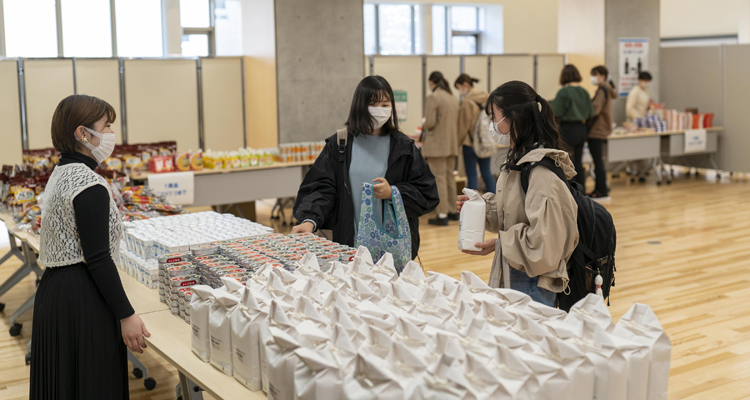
column 336, row 299
column 361, row 269
column 432, row 307
column 407, row 363
column 385, row 269
column 413, row 275
column 378, row 342
column 471, row 224
column 343, row 349
column 577, row 366
column 410, row 335
column 316, row 377
column 514, row 374
column 281, row 362
column 611, row 367
column 591, row 307
column 220, row 331
column 529, row 329
column 246, row 321
column 354, row 330
column 444, row 342
column 477, row 338
column 637, row 356
column 233, row 286
column 276, row 319
column 496, row 315
column 372, row 379
column 484, row 383
column 640, row 325
column 400, row 300
column 550, row 380
column 277, row 290
column 443, row 381
column 200, row 305
column 305, row 310
column 336, row 276
column 360, row 290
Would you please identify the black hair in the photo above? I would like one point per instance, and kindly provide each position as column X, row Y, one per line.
column 531, row 117
column 438, row 79
column 644, row 76
column 370, row 90
column 569, row 74
column 465, row 78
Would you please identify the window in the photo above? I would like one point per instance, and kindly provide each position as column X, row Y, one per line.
column 87, row 28
column 139, row 32
column 465, row 32
column 464, row 45
column 439, row 34
column 417, row 27
column 195, row 45
column 370, row 31
column 395, row 28
column 464, row 18
column 194, row 14
column 197, row 28
column 228, row 27
column 30, row 28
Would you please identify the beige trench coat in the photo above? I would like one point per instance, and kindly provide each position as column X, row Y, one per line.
column 538, row 231
column 467, row 117
column 441, row 125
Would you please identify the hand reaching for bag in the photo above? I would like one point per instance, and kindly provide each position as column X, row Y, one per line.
column 382, row 190
column 460, row 200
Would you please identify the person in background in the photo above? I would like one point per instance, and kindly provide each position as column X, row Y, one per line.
column 440, row 144
column 473, row 101
column 82, row 317
column 538, row 230
column 639, row 98
column 572, row 106
column 330, row 196
column 637, row 107
column 600, row 127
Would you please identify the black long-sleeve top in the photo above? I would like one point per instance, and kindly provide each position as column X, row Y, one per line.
column 91, row 208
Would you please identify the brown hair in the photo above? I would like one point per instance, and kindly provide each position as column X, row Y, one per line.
column 74, row 111
column 569, row 74
column 438, row 79
column 600, row 70
column 464, row 78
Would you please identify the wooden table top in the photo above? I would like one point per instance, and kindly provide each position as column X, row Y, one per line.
column 652, row 134
column 144, row 175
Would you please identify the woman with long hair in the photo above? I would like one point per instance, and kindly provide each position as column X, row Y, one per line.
column 537, row 230
column 473, row 100
column 376, row 152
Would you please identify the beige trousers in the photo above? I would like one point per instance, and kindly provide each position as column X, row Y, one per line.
column 442, row 168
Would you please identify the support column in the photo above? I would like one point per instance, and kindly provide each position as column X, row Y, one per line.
column 172, row 28
column 425, row 14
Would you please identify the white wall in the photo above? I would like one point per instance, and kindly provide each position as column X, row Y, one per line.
column 529, row 26
column 690, row 18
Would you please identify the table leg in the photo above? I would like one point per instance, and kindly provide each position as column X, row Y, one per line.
column 16, row 277
column 184, row 387
column 26, row 306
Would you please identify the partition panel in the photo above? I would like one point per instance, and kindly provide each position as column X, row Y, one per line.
column 101, row 78
column 685, row 64
column 404, row 74
column 449, row 66
column 161, row 97
column 735, row 141
column 47, row 82
column 511, row 67
column 10, row 114
column 548, row 69
column 222, row 103
column 477, row 67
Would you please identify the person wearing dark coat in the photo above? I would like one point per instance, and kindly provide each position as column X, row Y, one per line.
column 330, row 195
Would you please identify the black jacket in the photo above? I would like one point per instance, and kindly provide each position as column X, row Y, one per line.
column 325, row 196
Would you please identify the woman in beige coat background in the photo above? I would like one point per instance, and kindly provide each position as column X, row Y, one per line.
column 537, row 231
column 472, row 105
column 440, row 144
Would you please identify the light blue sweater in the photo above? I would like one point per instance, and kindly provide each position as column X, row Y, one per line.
column 369, row 161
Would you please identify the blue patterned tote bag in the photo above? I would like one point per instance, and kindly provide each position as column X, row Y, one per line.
column 385, row 233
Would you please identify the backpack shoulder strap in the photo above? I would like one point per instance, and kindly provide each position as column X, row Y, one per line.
column 342, row 136
column 526, row 171
column 481, row 107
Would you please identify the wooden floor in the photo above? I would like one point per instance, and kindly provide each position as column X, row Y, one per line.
column 683, row 249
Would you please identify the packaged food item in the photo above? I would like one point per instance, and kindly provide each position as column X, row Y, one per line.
column 196, row 160
column 200, row 305
column 471, row 225
column 182, row 161
column 160, row 164
column 219, row 329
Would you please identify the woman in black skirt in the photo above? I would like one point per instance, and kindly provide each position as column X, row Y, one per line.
column 82, row 317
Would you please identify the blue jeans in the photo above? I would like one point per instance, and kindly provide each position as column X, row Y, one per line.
column 526, row 284
column 470, row 163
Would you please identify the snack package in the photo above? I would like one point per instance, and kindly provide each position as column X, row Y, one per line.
column 200, row 305
column 196, row 160
column 220, row 332
column 182, row 161
column 160, row 164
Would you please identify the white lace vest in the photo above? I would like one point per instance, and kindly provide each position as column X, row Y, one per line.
column 60, row 243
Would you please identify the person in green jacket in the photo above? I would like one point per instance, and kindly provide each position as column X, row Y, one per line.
column 572, row 107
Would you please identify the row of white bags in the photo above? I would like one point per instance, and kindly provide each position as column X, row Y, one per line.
column 362, row 331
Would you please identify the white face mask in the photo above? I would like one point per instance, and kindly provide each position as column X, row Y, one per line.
column 502, row 139
column 380, row 115
column 106, row 145
column 595, row 81
column 463, row 92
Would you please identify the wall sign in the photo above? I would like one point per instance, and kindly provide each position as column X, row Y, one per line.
column 400, row 98
column 633, row 60
column 177, row 187
column 695, row 141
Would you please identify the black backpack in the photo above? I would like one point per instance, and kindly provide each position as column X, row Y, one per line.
column 595, row 253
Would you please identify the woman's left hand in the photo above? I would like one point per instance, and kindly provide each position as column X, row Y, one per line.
column 487, row 247
column 382, row 189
